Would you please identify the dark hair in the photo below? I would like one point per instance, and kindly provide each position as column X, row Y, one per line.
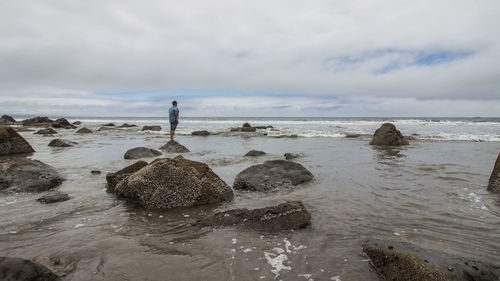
column 174, row 102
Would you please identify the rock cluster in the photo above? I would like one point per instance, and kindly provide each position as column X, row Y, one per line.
column 141, row 152
column 174, row 147
column 388, row 135
column 13, row 143
column 23, row 174
column 494, row 182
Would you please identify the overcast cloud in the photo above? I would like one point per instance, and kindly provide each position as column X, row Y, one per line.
column 250, row 58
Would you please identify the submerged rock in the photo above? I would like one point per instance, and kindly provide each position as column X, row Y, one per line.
column 13, row 143
column 494, row 182
column 23, row 174
column 77, row 123
column 7, row 120
column 95, row 172
column 63, row 123
column 286, row 216
column 109, row 125
column 38, row 121
column 352, row 135
column 387, row 134
column 169, row 183
column 255, row 153
column 17, row 269
column 290, row 156
column 84, row 131
column 272, row 174
column 200, row 133
column 151, row 128
column 174, row 147
column 61, row 143
column 125, row 125
column 53, row 197
column 141, row 152
column 47, row 131
column 114, row 178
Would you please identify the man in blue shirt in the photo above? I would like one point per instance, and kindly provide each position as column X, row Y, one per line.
column 173, row 115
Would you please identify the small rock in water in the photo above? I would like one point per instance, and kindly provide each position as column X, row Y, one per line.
column 290, row 156
column 84, row 131
column 47, row 131
column 23, row 174
column 141, row 152
column 125, row 125
column 109, row 125
column 174, row 147
column 52, row 197
column 151, row 128
column 388, row 135
column 63, row 123
column 62, row 143
column 95, row 172
column 200, row 133
column 255, row 153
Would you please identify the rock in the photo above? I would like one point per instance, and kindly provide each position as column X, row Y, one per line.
column 63, row 123
column 114, row 178
column 246, row 125
column 13, row 143
column 151, row 128
column 95, row 172
column 54, row 196
column 61, row 143
column 110, row 125
column 84, row 131
column 286, row 216
column 255, row 153
column 16, row 269
column 272, row 174
column 263, row 127
column 141, row 152
column 200, row 133
column 38, row 121
column 244, row 129
column 23, row 129
column 387, row 134
column 7, row 120
column 174, row 147
column 47, row 131
column 169, row 183
column 494, row 182
column 108, row 129
column 77, row 123
column 125, row 125
column 23, row 174
column 352, row 135
column 290, row 156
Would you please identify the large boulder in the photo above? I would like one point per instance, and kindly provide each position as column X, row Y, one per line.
column 141, row 152
column 17, row 269
column 151, row 128
column 46, row 131
column 494, row 183
column 61, row 143
column 7, row 120
column 53, row 197
column 63, row 123
column 200, row 133
column 13, row 143
column 84, row 131
column 255, row 153
column 174, row 147
column 272, row 174
column 23, row 174
column 286, row 216
column 38, row 121
column 388, row 135
column 114, row 178
column 174, row 182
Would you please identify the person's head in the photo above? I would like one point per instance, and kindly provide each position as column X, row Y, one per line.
column 174, row 103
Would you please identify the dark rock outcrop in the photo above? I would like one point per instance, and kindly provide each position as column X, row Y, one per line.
column 13, row 143
column 246, row 125
column 272, row 174
column 53, row 197
column 174, row 182
column 61, row 143
column 63, row 123
column 77, row 123
column 114, row 178
column 46, row 131
column 23, row 174
column 290, row 156
column 255, row 153
column 263, row 127
column 151, row 128
column 200, row 133
column 174, row 147
column 109, row 125
column 95, row 172
column 125, row 125
column 84, row 131
column 388, row 135
column 494, row 182
column 17, row 269
column 38, row 121
column 141, row 152
column 352, row 135
column 7, row 120
column 286, row 216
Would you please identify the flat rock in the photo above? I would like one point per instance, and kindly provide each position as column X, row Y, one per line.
column 23, row 174
column 17, row 269
column 286, row 216
column 38, row 121
column 263, row 127
column 174, row 147
column 255, row 153
column 84, row 131
column 272, row 174
column 7, row 120
column 200, row 133
column 13, row 143
column 61, row 143
column 290, row 156
column 125, row 125
column 244, row 129
column 53, row 197
column 352, row 135
column 151, row 128
column 113, row 178
column 174, row 182
column 388, row 135
column 46, row 131
column 109, row 125
column 141, row 152
column 62, row 123
column 494, row 182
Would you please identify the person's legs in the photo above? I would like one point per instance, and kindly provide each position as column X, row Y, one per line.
column 172, row 133
column 173, row 125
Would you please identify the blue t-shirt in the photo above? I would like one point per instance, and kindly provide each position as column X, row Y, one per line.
column 171, row 114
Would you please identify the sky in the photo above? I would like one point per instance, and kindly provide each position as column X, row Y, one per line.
column 250, row 58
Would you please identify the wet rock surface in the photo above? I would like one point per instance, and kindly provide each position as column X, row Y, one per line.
column 141, row 152
column 352, row 135
column 38, row 121
column 63, row 123
column 174, row 147
column 95, row 172
column 200, row 133
column 7, row 120
column 47, row 131
column 77, row 123
column 53, row 197
column 84, row 131
column 255, row 153
column 61, row 143
column 113, row 178
column 494, row 182
column 151, row 128
column 109, row 125
column 388, row 135
column 126, row 125
column 272, row 174
column 23, row 174
column 174, row 182
column 17, row 269
column 290, row 156
column 286, row 216
column 13, row 143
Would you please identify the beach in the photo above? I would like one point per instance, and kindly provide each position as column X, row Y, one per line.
column 431, row 193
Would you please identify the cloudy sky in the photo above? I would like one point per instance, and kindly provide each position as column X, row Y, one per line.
column 250, row 58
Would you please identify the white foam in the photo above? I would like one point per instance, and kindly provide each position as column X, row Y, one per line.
column 276, row 261
column 79, row 225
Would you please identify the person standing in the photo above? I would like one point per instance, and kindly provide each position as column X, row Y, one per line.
column 173, row 115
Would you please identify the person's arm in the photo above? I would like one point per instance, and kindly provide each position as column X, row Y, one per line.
column 176, row 113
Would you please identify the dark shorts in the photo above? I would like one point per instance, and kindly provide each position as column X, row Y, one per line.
column 173, row 125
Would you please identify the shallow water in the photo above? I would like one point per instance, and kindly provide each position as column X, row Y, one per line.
column 431, row 193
